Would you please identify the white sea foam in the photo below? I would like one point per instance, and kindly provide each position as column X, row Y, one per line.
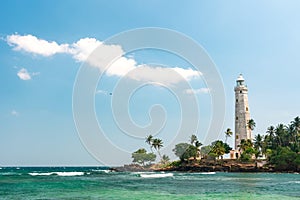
column 207, row 173
column 143, row 173
column 161, row 175
column 69, row 173
column 57, row 173
column 40, row 174
column 101, row 170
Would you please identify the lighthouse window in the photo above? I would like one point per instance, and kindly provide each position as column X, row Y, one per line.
column 241, row 91
column 236, row 118
column 246, row 108
column 236, row 100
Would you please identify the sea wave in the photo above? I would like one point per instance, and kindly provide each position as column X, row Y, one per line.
column 160, row 175
column 101, row 170
column 207, row 173
column 57, row 173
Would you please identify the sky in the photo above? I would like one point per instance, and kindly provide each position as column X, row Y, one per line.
column 44, row 44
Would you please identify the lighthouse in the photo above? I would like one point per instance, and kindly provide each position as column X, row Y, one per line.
column 242, row 112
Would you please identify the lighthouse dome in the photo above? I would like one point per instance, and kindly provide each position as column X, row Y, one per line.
column 240, row 78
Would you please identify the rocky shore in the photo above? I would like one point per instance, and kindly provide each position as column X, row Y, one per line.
column 204, row 166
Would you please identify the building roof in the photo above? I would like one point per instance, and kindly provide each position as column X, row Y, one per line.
column 240, row 78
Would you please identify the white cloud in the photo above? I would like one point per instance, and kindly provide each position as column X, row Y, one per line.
column 121, row 67
column 197, row 91
column 32, row 44
column 81, row 50
column 14, row 113
column 23, row 74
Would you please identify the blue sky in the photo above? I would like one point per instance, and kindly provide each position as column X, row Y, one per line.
column 260, row 39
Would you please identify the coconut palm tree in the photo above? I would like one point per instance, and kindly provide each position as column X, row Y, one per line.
column 251, row 124
column 245, row 144
column 271, row 136
column 228, row 133
column 193, row 139
column 218, row 148
column 258, row 144
column 157, row 144
column 280, row 134
column 149, row 140
column 258, row 141
column 296, row 125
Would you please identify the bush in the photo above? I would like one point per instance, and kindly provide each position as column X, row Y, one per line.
column 285, row 159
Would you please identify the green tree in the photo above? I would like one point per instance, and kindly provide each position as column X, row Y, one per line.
column 280, row 134
column 157, row 144
column 251, row 124
column 218, row 148
column 165, row 159
column 149, row 140
column 258, row 145
column 245, row 144
column 193, row 139
column 228, row 133
column 285, row 159
column 185, row 151
column 205, row 150
column 142, row 157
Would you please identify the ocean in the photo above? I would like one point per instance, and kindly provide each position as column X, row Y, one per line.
column 100, row 183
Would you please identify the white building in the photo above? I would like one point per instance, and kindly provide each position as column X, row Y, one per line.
column 242, row 115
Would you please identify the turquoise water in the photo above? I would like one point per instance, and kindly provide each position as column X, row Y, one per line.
column 99, row 183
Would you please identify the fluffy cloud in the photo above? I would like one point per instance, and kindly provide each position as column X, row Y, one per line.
column 197, row 91
column 32, row 44
column 23, row 74
column 82, row 49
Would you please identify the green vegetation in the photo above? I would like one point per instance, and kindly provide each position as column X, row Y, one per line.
column 228, row 133
column 280, row 147
column 142, row 157
column 185, row 151
column 155, row 143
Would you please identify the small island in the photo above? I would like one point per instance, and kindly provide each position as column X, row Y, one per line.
column 276, row 151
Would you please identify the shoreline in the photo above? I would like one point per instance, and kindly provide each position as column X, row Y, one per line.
column 233, row 166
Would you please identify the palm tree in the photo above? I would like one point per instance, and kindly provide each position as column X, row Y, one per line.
column 251, row 124
column 193, row 139
column 149, row 140
column 258, row 141
column 280, row 134
column 271, row 136
column 218, row 149
column 296, row 125
column 165, row 159
column 157, row 144
column 228, row 133
column 245, row 144
column 258, row 144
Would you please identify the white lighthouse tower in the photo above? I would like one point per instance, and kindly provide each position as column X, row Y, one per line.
column 242, row 113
